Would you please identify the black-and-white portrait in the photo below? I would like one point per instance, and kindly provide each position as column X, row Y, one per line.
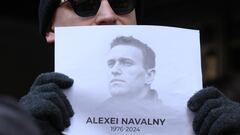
column 131, row 68
column 131, row 72
column 129, row 79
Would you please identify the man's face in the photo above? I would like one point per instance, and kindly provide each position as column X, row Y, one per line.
column 127, row 75
column 65, row 16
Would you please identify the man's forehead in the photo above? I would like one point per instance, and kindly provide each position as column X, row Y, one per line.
column 125, row 51
column 125, row 48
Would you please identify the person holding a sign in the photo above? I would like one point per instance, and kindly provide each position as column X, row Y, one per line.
column 45, row 100
column 215, row 114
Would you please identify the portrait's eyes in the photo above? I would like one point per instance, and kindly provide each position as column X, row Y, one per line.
column 126, row 62
column 111, row 63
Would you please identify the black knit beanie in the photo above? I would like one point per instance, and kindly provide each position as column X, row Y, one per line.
column 139, row 11
column 47, row 8
column 46, row 11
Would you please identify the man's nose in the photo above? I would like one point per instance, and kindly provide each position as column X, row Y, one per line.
column 105, row 14
column 116, row 70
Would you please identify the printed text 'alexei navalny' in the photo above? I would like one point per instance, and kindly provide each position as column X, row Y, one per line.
column 125, row 121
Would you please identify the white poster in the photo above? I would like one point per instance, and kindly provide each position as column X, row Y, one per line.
column 129, row 80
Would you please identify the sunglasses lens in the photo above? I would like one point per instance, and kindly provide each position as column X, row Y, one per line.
column 85, row 8
column 122, row 7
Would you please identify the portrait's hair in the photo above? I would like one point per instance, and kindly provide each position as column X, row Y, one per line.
column 148, row 53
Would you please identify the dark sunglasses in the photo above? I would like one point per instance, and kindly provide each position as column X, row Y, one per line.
column 86, row 8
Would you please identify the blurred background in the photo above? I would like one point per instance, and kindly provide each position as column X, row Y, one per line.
column 23, row 55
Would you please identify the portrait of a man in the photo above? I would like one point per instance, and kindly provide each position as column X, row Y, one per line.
column 131, row 66
column 131, row 71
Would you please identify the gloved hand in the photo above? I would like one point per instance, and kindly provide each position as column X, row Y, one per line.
column 215, row 114
column 47, row 103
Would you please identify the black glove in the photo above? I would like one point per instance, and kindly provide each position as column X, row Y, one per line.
column 47, row 103
column 215, row 114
